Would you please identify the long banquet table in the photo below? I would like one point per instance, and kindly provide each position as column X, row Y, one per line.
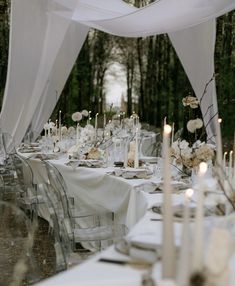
column 131, row 200
column 100, row 190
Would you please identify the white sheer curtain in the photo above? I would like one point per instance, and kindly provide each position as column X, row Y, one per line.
column 59, row 73
column 47, row 35
column 28, row 27
column 43, row 50
column 162, row 16
column 195, row 48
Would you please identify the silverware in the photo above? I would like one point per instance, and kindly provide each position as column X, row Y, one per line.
column 125, row 262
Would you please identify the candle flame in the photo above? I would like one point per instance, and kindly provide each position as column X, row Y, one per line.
column 219, row 120
column 189, row 193
column 167, row 129
column 203, row 168
column 231, row 153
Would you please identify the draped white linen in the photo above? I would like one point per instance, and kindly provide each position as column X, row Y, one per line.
column 195, row 48
column 39, row 59
column 162, row 16
column 43, row 50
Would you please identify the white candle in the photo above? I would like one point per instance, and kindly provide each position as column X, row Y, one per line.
column 219, row 147
column 56, row 125
column 184, row 260
column 49, row 128
column 77, row 133
column 199, row 227
column 224, row 161
column 125, row 153
column 60, row 134
column 172, row 133
column 104, row 120
column 230, row 166
column 89, row 117
column 164, row 121
column 96, row 121
column 168, row 252
column 136, row 161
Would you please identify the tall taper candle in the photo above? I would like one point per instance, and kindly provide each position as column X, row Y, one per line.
column 199, row 221
column 77, row 133
column 168, row 252
column 184, row 260
column 219, row 147
column 136, row 161
column 164, row 121
column 60, row 133
column 96, row 121
column 104, row 119
column 56, row 125
column 230, row 166
column 89, row 117
column 172, row 133
column 224, row 161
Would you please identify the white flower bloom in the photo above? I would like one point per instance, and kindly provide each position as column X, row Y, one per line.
column 197, row 144
column 198, row 123
column 85, row 113
column 54, row 130
column 64, row 130
column 89, row 127
column 77, row 116
column 191, row 126
column 71, row 130
column 183, row 145
column 51, row 124
column 190, row 101
column 46, row 126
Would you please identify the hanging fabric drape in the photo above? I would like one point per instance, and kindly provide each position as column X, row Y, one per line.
column 162, row 16
column 195, row 48
column 47, row 35
column 43, row 49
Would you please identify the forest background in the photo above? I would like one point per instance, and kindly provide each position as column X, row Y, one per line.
column 153, row 79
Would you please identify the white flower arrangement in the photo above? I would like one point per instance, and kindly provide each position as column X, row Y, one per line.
column 194, row 124
column 190, row 157
column 64, row 130
column 77, row 116
column 85, row 113
column 190, row 101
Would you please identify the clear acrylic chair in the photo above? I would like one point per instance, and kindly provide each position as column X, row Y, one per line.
column 85, row 228
column 29, row 199
column 31, row 137
column 7, row 149
column 16, row 242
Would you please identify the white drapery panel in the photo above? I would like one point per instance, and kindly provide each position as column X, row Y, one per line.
column 60, row 71
column 25, row 52
column 40, row 62
column 195, row 48
column 162, row 16
column 45, row 63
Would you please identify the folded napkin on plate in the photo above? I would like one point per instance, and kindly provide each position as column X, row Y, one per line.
column 45, row 156
column 85, row 163
column 142, row 247
column 178, row 210
column 29, row 149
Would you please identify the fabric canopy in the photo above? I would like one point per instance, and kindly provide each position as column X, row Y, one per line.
column 45, row 44
column 162, row 16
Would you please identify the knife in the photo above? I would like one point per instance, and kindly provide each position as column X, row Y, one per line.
column 124, row 262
